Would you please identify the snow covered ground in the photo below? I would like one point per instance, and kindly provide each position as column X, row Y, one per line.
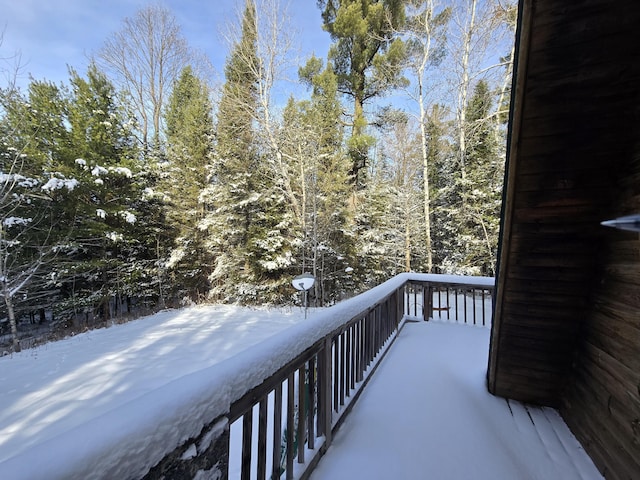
column 64, row 404
column 426, row 413
column 62, row 396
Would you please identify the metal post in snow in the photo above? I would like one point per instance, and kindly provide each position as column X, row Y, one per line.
column 303, row 283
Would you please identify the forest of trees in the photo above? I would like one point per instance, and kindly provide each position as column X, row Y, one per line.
column 140, row 184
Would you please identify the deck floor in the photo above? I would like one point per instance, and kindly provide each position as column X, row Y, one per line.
column 427, row 414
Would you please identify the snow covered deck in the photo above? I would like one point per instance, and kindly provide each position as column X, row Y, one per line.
column 426, row 413
column 162, row 390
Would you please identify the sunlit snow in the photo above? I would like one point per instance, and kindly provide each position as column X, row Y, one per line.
column 111, row 403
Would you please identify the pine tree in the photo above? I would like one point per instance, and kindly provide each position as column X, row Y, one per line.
column 471, row 194
column 184, row 175
column 27, row 229
column 482, row 189
column 102, row 156
column 366, row 57
column 328, row 239
column 246, row 227
column 376, row 232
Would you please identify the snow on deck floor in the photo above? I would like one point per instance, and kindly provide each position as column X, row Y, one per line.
column 426, row 413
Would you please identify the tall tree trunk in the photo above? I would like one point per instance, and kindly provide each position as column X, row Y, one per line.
column 503, row 92
column 463, row 93
column 407, row 238
column 358, row 157
column 420, row 65
column 8, row 300
column 161, row 304
column 425, row 176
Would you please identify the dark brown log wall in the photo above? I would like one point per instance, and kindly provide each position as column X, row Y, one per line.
column 602, row 401
column 567, row 320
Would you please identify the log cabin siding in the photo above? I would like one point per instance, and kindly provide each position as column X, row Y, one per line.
column 566, row 328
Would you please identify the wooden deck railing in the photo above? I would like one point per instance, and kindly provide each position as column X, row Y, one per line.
column 470, row 303
column 281, row 428
column 309, row 396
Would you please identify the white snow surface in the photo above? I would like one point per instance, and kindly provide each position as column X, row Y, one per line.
column 426, row 413
column 56, row 183
column 111, row 403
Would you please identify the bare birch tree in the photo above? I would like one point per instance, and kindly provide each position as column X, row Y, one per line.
column 275, row 43
column 425, row 35
column 146, row 56
column 475, row 46
column 477, row 74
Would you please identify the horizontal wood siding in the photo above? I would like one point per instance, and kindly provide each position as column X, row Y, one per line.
column 602, row 403
column 566, row 330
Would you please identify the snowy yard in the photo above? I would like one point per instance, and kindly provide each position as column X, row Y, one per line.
column 426, row 412
column 52, row 391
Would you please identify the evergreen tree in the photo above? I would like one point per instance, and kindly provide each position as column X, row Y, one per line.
column 28, row 237
column 402, row 148
column 376, row 228
column 366, row 57
column 101, row 154
column 328, row 232
column 470, row 199
column 156, row 287
column 184, row 175
column 246, row 224
column 442, row 172
column 35, row 138
column 482, row 191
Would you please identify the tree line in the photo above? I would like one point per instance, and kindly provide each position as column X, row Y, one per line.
column 139, row 185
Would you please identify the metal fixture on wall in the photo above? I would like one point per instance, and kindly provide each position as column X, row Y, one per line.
column 629, row 222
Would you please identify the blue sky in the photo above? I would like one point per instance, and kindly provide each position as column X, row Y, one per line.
column 53, row 34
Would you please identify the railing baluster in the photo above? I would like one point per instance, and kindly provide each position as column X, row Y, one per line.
column 405, row 299
column 365, row 340
column 290, row 424
column 302, row 420
column 358, row 343
column 374, row 333
column 464, row 297
column 483, row 309
column 343, row 367
column 312, row 403
column 352, row 357
column 399, row 312
column 347, row 363
column 322, row 385
column 327, row 411
column 473, row 303
column 247, row 428
column 277, row 432
column 336, row 374
column 262, row 440
column 363, row 347
column 371, row 335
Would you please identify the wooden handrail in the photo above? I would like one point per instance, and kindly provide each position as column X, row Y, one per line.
column 288, row 420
